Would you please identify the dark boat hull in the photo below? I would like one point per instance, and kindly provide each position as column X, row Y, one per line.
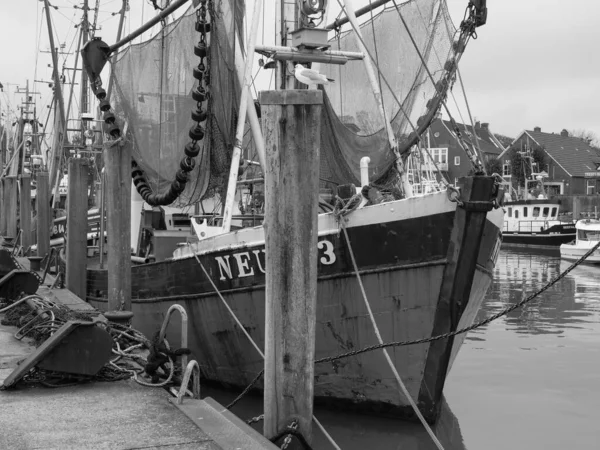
column 553, row 236
column 405, row 264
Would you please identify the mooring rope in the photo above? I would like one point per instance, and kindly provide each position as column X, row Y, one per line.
column 403, row 388
column 239, row 397
column 469, row 328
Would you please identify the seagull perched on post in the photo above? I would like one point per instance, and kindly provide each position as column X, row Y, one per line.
column 310, row 76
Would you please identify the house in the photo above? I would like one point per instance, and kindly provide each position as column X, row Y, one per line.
column 572, row 166
column 449, row 155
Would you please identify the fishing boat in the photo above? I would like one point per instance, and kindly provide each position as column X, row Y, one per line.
column 536, row 223
column 588, row 235
column 426, row 261
column 532, row 219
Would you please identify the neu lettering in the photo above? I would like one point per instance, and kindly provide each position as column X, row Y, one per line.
column 251, row 263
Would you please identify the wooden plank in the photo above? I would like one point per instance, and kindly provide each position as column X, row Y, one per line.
column 117, row 163
column 292, row 138
column 463, row 250
column 3, row 223
column 25, row 211
column 42, row 201
column 9, row 208
column 77, row 225
column 224, row 427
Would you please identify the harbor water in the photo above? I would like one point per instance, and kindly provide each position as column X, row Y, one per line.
column 529, row 380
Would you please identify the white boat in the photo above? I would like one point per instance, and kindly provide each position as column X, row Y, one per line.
column 588, row 235
column 536, row 223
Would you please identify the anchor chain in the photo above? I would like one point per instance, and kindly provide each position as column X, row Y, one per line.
column 200, row 94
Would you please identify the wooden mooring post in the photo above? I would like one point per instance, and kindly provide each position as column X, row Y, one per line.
column 25, row 211
column 42, row 205
column 3, row 224
column 77, row 206
column 9, row 207
column 117, row 169
column 291, row 125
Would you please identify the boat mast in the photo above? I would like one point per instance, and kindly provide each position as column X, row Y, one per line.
column 237, row 149
column 55, row 161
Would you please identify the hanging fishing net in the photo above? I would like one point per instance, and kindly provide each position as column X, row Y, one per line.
column 153, row 82
column 153, row 85
column 352, row 126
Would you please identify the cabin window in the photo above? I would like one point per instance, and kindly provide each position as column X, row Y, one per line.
column 525, row 211
column 588, row 235
column 536, row 211
column 457, row 160
column 516, row 213
column 545, row 212
column 554, row 211
column 506, row 169
column 509, row 211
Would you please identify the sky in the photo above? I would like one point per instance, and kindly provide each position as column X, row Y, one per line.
column 534, row 63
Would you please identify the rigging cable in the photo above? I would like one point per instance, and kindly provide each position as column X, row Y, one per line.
column 462, row 86
column 477, row 164
column 382, row 76
column 445, row 21
column 377, row 64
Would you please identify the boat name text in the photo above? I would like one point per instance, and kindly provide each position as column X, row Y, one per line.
column 252, row 262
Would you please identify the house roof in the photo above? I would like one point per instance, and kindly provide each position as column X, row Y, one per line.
column 486, row 143
column 573, row 154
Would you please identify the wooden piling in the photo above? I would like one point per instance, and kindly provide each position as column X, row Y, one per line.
column 10, row 206
column 291, row 124
column 3, row 223
column 25, row 211
column 77, row 203
column 42, row 205
column 117, row 164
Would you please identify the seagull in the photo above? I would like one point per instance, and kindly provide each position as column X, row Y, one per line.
column 309, row 76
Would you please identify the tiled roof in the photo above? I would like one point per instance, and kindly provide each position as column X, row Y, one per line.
column 485, row 142
column 573, row 154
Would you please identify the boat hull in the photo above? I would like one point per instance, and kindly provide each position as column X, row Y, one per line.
column 404, row 262
column 549, row 237
column 572, row 252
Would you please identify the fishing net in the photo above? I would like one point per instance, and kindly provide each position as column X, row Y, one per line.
column 153, row 83
column 352, row 126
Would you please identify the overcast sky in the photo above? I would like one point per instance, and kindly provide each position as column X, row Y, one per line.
column 535, row 63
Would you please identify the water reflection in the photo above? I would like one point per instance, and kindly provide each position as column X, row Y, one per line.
column 570, row 303
column 359, row 432
column 529, row 380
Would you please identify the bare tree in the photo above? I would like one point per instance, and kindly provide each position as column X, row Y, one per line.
column 588, row 136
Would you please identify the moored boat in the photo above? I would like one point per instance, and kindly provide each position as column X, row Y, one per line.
column 536, row 223
column 588, row 235
column 425, row 261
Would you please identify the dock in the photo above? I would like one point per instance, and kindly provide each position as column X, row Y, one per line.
column 107, row 415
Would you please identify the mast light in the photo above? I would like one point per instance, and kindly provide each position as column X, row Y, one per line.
column 310, row 7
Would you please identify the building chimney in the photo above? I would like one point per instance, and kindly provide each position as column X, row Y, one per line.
column 485, row 125
column 537, row 129
column 564, row 133
column 478, row 124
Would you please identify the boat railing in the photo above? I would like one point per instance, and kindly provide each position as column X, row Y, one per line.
column 184, row 330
